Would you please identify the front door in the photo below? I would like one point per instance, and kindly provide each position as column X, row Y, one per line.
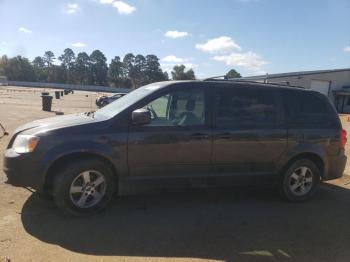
column 177, row 142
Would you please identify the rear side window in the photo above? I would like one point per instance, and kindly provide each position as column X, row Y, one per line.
column 244, row 107
column 308, row 110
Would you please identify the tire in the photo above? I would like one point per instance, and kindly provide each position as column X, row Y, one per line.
column 84, row 187
column 300, row 180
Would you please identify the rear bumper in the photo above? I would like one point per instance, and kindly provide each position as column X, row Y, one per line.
column 23, row 170
column 336, row 167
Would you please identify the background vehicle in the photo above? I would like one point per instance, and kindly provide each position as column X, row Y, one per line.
column 211, row 133
column 105, row 100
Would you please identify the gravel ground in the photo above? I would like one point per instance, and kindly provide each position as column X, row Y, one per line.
column 187, row 225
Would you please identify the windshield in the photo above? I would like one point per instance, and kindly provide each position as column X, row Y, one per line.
column 129, row 99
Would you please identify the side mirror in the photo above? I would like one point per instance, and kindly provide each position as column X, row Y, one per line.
column 141, row 117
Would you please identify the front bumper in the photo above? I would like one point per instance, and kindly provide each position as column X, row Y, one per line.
column 23, row 170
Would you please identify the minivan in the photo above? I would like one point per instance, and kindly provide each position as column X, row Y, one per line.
column 182, row 133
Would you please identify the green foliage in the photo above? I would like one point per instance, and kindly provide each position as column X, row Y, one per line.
column 115, row 72
column 166, row 76
column 233, row 74
column 67, row 59
column 130, row 72
column 153, row 71
column 17, row 68
column 39, row 69
column 99, row 68
column 82, row 69
column 179, row 73
column 49, row 58
column 68, row 65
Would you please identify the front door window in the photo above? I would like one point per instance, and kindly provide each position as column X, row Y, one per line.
column 180, row 108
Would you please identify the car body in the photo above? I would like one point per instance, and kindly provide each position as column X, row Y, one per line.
column 105, row 100
column 185, row 133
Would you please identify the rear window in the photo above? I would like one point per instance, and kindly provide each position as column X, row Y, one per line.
column 308, row 109
column 239, row 107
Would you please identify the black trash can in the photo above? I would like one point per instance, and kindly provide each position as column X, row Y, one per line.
column 57, row 94
column 62, row 93
column 66, row 92
column 46, row 103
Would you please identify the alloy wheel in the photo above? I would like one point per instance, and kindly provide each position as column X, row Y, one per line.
column 87, row 189
column 301, row 181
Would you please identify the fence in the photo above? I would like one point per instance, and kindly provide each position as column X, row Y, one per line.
column 105, row 89
column 3, row 81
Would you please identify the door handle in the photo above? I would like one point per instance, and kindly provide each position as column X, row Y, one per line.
column 224, row 135
column 200, row 136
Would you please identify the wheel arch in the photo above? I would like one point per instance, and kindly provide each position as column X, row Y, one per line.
column 315, row 158
column 57, row 165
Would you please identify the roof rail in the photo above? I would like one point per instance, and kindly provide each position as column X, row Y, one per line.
column 242, row 80
column 217, row 78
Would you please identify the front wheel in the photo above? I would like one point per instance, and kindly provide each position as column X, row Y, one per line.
column 83, row 187
column 300, row 181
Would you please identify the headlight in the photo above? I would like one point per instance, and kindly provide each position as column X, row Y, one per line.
column 25, row 143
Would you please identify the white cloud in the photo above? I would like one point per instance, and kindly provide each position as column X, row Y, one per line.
column 106, row 1
column 71, row 8
column 222, row 44
column 228, row 51
column 347, row 49
column 25, row 30
column 190, row 65
column 174, row 59
column 77, row 44
column 170, row 61
column 123, row 8
column 248, row 60
column 175, row 34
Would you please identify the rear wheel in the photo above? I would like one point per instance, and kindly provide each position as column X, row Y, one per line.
column 300, row 180
column 83, row 187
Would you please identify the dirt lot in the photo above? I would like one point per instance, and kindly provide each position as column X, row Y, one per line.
column 218, row 225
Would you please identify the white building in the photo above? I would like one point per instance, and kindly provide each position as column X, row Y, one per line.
column 333, row 83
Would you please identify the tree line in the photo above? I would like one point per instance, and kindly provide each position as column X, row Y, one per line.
column 130, row 72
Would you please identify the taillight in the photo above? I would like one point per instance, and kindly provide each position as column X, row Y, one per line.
column 343, row 138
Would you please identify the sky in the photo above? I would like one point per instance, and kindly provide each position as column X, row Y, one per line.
column 252, row 36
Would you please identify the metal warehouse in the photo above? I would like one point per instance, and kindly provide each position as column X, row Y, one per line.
column 333, row 83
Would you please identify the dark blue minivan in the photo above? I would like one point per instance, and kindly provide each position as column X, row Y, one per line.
column 182, row 133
